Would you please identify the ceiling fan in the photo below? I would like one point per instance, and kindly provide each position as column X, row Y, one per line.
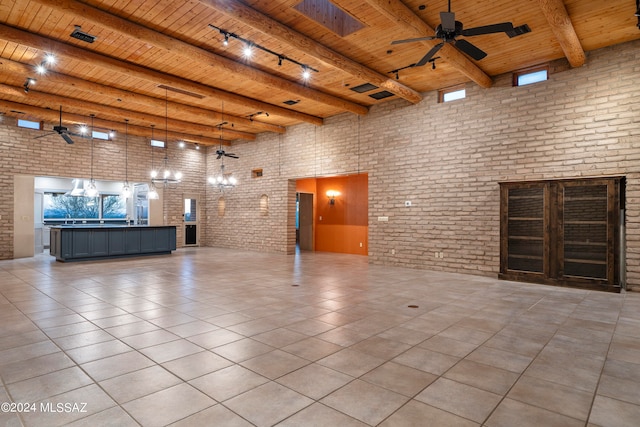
column 220, row 152
column 62, row 131
column 449, row 29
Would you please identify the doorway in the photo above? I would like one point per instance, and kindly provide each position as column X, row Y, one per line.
column 305, row 221
column 191, row 220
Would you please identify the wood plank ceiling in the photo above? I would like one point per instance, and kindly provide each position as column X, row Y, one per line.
column 163, row 63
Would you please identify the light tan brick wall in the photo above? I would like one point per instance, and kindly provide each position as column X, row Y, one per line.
column 21, row 154
column 447, row 159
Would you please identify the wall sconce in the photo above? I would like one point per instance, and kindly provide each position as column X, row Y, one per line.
column 332, row 194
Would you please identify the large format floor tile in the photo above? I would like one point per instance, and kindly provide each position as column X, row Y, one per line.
column 228, row 338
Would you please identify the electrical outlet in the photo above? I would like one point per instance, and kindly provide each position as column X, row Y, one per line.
column 407, row 203
column 360, row 244
column 393, row 251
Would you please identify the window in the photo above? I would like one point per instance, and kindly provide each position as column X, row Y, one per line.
column 101, row 135
column 451, row 94
column 60, row 207
column 157, row 143
column 29, row 124
column 527, row 77
column 564, row 232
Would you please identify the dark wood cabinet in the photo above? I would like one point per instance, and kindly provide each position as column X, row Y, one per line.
column 562, row 232
column 71, row 243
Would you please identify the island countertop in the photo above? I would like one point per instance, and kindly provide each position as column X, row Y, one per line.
column 77, row 242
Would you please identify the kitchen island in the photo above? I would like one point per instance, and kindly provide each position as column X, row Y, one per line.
column 90, row 242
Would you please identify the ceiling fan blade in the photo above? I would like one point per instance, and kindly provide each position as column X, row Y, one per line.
column 66, row 138
column 43, row 135
column 489, row 29
column 418, row 39
column 471, row 50
column 233, row 156
column 448, row 21
column 219, row 155
column 429, row 55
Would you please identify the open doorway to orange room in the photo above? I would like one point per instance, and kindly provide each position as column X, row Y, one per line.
column 332, row 214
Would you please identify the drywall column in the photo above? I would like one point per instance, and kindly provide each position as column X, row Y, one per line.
column 23, row 225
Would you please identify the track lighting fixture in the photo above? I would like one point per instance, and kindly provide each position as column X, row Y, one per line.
column 247, row 51
column 306, row 75
column 250, row 47
column 197, row 146
column 251, row 116
column 28, row 83
column 397, row 70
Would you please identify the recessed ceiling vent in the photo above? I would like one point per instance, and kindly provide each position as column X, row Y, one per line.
column 329, row 16
column 291, row 102
column 81, row 35
column 364, row 88
column 381, row 95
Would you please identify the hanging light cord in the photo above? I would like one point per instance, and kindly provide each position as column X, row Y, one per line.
column 92, row 116
column 126, row 150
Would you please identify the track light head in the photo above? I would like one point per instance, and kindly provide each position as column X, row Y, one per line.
column 306, row 74
column 247, row 51
column 29, row 82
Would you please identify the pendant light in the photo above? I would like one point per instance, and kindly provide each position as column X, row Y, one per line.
column 152, row 193
column 168, row 176
column 126, row 188
column 91, row 190
column 223, row 181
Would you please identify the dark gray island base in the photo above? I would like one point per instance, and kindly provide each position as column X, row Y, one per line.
column 92, row 242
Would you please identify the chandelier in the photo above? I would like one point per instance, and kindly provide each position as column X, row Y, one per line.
column 167, row 176
column 223, row 181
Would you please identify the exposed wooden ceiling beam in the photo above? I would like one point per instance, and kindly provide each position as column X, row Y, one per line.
column 53, row 115
column 113, row 114
column 181, row 48
column 273, row 28
column 203, row 116
column 63, row 50
column 558, row 18
column 404, row 17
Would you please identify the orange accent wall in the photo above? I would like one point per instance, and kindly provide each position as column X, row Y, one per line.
column 343, row 226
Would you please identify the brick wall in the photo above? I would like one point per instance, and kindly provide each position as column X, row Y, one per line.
column 447, row 159
column 21, row 154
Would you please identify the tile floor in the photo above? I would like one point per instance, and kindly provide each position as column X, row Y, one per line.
column 212, row 337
